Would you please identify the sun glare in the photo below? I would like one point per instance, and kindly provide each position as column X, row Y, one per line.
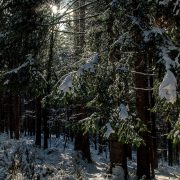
column 54, row 9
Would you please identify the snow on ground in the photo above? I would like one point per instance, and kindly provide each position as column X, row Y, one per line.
column 21, row 160
column 164, row 172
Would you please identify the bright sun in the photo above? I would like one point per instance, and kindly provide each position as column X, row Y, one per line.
column 54, row 9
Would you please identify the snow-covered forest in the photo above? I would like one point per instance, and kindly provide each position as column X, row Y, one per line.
column 89, row 89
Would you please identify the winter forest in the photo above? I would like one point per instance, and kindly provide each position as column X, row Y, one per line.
column 89, row 89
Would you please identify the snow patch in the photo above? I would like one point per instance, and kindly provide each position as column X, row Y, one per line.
column 109, row 130
column 25, row 64
column 154, row 30
column 165, row 57
column 123, row 112
column 66, row 84
column 163, row 2
column 118, row 173
column 176, row 133
column 123, row 40
column 89, row 65
column 6, row 82
column 167, row 88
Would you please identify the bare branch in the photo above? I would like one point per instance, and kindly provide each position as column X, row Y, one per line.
column 69, row 32
column 141, row 73
column 143, row 89
column 69, row 12
column 70, row 20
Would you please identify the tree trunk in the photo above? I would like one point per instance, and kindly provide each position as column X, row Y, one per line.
column 2, row 117
column 143, row 152
column 152, row 116
column 118, row 156
column 177, row 154
column 79, row 26
column 38, row 121
column 143, row 84
column 101, row 143
column 82, row 144
column 45, row 125
column 10, row 115
column 170, row 147
column 16, row 114
column 82, row 140
column 48, row 89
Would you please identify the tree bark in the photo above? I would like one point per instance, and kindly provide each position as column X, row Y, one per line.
column 10, row 115
column 82, row 144
column 170, row 147
column 38, row 121
column 79, row 26
column 48, row 89
column 2, row 118
column 143, row 152
column 118, row 156
column 82, row 140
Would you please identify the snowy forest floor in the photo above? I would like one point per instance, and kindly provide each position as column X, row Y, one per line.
column 21, row 160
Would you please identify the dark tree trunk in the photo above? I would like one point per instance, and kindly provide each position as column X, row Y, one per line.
column 82, row 140
column 100, row 142
column 154, row 156
column 82, row 144
column 38, row 121
column 6, row 111
column 177, row 154
column 143, row 84
column 128, row 150
column 152, row 116
column 16, row 113
column 170, row 153
column 45, row 125
column 142, row 105
column 118, row 155
column 10, row 115
column 79, row 26
column 48, row 89
column 95, row 141
column 164, row 146
column 170, row 147
column 2, row 117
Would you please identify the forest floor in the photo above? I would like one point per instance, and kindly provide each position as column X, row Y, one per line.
column 21, row 160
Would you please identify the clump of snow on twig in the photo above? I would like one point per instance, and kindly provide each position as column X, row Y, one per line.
column 123, row 112
column 123, row 40
column 6, row 82
column 25, row 64
column 109, row 130
column 166, row 59
column 164, row 2
column 89, row 65
column 66, row 84
column 167, row 88
column 153, row 31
